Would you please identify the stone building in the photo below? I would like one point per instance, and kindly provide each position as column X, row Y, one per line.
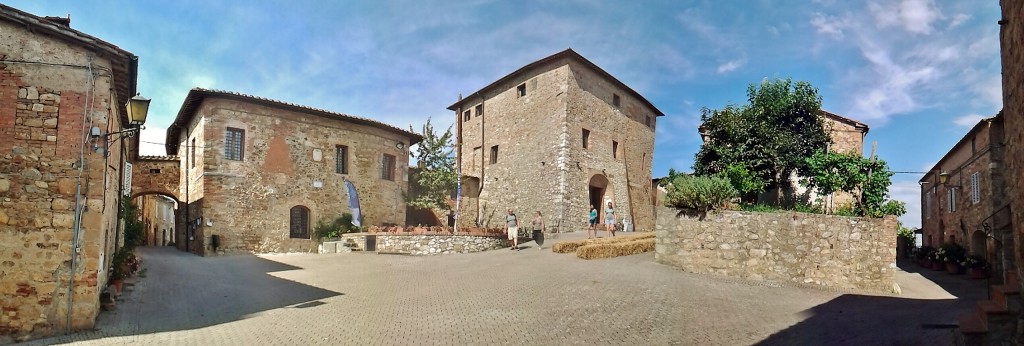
column 61, row 90
column 1011, row 42
column 556, row 135
column 963, row 194
column 258, row 174
column 158, row 216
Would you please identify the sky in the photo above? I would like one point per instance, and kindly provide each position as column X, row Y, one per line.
column 920, row 73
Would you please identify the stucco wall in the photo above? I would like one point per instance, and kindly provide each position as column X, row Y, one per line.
column 247, row 203
column 42, row 113
column 826, row 250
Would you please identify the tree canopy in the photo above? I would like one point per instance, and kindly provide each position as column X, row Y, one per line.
column 768, row 137
column 867, row 178
column 434, row 178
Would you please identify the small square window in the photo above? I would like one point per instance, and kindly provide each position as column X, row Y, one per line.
column 586, row 139
column 154, row 170
column 616, row 100
column 494, row 154
column 521, row 90
column 480, row 109
column 615, row 149
column 465, row 115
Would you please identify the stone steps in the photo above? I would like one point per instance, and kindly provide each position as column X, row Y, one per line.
column 994, row 322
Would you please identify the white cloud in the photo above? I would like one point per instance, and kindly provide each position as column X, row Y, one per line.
column 151, row 141
column 730, row 66
column 968, row 120
column 914, row 16
column 908, row 192
column 828, row 25
column 958, row 19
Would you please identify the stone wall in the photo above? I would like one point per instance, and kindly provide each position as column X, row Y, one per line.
column 1011, row 42
column 288, row 160
column 826, row 250
column 417, row 244
column 541, row 163
column 43, row 115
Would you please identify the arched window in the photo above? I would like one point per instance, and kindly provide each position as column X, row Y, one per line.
column 299, row 222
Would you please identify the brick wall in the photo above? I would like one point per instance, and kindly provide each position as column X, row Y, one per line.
column 826, row 250
column 1011, row 39
column 42, row 113
column 288, row 160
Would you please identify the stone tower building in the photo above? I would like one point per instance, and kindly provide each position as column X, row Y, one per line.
column 555, row 136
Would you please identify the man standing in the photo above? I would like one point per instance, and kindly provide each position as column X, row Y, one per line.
column 512, row 228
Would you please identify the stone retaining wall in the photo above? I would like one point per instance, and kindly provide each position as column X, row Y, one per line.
column 416, row 244
column 827, row 250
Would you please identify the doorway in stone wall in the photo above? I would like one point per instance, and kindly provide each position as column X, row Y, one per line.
column 597, row 187
column 978, row 244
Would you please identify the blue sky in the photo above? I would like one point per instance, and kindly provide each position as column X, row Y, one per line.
column 919, row 72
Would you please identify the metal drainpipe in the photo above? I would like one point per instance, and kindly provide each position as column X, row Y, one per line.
column 77, row 224
column 188, row 133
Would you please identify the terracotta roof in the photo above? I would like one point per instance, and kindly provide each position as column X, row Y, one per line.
column 158, row 157
column 125, row 65
column 568, row 53
column 963, row 141
column 197, row 95
column 842, row 119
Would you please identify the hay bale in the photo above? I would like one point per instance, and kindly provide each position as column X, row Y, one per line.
column 573, row 245
column 594, row 251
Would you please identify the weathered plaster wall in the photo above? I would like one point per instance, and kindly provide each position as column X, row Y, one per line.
column 43, row 117
column 826, row 250
column 288, row 160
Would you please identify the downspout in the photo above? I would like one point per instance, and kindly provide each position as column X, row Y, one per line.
column 77, row 224
column 188, row 177
column 479, row 204
column 458, row 167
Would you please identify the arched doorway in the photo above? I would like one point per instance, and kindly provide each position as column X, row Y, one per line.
column 979, row 244
column 598, row 187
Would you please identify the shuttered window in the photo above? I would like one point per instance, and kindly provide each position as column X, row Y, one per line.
column 299, row 222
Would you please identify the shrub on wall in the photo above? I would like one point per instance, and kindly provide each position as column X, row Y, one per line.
column 335, row 228
column 699, row 193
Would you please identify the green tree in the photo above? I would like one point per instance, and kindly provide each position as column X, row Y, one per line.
column 743, row 181
column 868, row 178
column 434, row 178
column 769, row 136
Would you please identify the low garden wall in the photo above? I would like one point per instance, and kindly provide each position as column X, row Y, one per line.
column 827, row 250
column 416, row 244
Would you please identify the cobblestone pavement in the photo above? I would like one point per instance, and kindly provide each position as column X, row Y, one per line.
column 502, row 297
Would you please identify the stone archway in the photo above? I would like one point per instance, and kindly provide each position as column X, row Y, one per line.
column 599, row 189
column 156, row 174
column 159, row 213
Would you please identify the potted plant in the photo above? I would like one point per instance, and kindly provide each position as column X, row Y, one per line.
column 976, row 266
column 954, row 254
column 938, row 259
column 923, row 256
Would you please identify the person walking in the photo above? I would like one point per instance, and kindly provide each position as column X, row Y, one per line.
column 592, row 227
column 609, row 219
column 538, row 229
column 512, row 228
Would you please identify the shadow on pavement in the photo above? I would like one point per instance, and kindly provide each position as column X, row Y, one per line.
column 853, row 319
column 182, row 291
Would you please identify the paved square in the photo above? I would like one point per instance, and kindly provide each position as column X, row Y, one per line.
column 502, row 297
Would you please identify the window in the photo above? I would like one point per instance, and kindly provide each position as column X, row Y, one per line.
column 927, row 206
column 648, row 121
column 465, row 115
column 494, row 154
column 341, row 159
column 975, row 188
column 615, row 149
column 521, row 90
column 616, row 101
column 586, row 138
column 234, row 142
column 154, row 170
column 480, row 109
column 193, row 150
column 951, row 200
column 972, row 146
column 298, row 225
column 387, row 167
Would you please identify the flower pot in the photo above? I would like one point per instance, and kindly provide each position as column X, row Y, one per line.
column 116, row 283
column 953, row 268
column 936, row 265
column 976, row 273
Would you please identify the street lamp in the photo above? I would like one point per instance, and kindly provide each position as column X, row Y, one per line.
column 138, row 108
column 943, row 177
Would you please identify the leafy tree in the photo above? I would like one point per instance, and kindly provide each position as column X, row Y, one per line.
column 434, row 178
column 134, row 230
column 743, row 181
column 672, row 175
column 769, row 136
column 869, row 178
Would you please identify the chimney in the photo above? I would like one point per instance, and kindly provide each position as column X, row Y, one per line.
column 60, row 20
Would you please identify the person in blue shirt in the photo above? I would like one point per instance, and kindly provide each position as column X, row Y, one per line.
column 593, row 222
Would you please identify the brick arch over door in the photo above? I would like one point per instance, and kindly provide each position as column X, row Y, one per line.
column 156, row 174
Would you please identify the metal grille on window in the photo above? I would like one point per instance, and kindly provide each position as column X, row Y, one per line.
column 975, row 188
column 387, row 167
column 233, row 144
column 299, row 222
column 341, row 159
